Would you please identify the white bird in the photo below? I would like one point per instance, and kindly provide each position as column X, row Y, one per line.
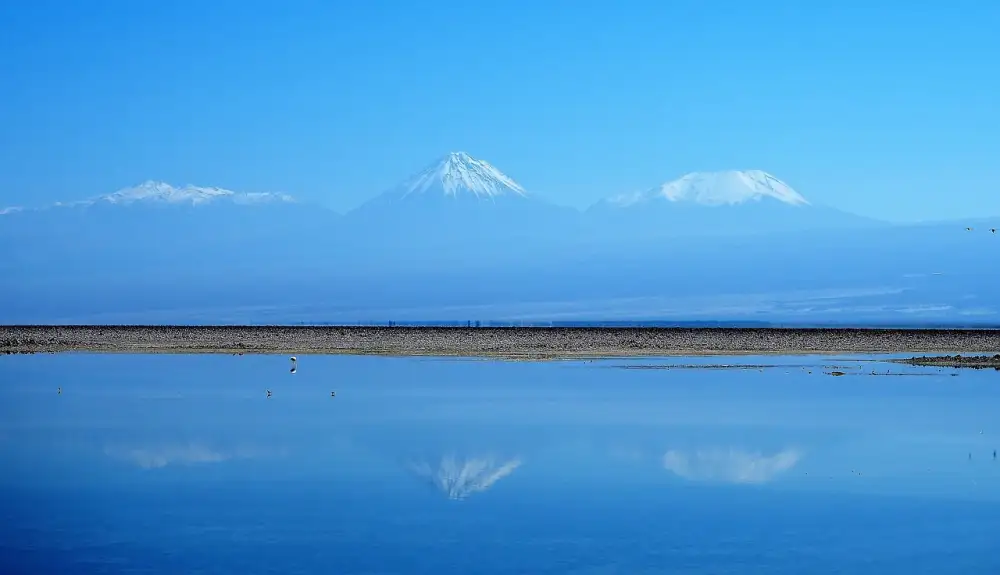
column 294, row 364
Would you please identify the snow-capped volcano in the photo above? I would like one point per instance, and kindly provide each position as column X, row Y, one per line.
column 459, row 175
column 730, row 187
column 460, row 478
column 715, row 203
column 458, row 204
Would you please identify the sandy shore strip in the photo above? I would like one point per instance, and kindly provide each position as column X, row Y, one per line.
column 507, row 342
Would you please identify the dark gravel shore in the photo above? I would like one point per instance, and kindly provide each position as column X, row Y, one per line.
column 973, row 361
column 491, row 342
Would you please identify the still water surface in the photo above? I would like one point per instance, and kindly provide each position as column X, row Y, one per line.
column 183, row 464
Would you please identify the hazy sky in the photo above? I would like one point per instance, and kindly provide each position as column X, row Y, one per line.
column 883, row 108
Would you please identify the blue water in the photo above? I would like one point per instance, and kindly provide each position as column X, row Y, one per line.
column 182, row 464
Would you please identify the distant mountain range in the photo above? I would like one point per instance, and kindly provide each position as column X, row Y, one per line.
column 460, row 229
column 459, row 185
column 457, row 207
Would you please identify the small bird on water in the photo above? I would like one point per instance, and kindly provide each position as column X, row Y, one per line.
column 59, row 391
column 333, row 394
column 268, row 392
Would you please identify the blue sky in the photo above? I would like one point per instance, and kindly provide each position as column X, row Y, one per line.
column 884, row 108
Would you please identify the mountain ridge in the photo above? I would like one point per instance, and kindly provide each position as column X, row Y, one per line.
column 153, row 192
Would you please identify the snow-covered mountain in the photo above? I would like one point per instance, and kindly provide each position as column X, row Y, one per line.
column 455, row 179
column 716, row 203
column 161, row 192
column 457, row 206
column 147, row 225
column 459, row 175
column 726, row 188
column 153, row 193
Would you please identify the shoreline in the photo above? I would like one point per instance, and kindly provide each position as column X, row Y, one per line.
column 500, row 342
column 956, row 361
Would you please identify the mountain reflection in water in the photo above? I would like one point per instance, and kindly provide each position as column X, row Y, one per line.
column 459, row 478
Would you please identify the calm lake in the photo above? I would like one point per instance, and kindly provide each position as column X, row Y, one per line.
column 185, row 464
